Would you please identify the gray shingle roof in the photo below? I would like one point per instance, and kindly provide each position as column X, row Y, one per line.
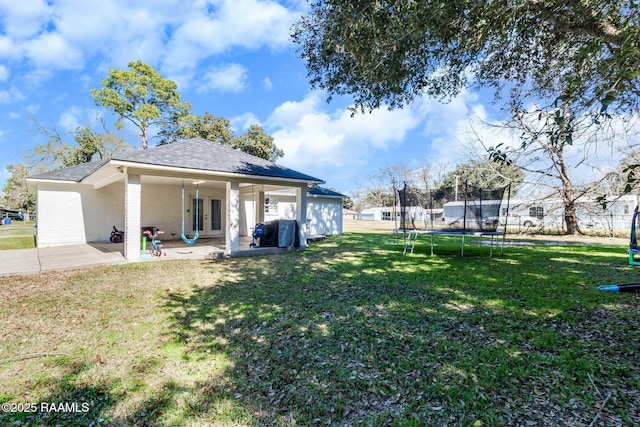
column 325, row 192
column 72, row 173
column 196, row 153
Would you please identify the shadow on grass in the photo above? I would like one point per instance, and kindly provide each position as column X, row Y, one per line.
column 68, row 403
column 350, row 331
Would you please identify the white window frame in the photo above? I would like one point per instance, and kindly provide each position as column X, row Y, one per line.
column 271, row 205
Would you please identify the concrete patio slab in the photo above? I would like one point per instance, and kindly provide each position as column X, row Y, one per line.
column 34, row 261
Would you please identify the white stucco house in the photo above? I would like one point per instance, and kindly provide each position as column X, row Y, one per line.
column 235, row 190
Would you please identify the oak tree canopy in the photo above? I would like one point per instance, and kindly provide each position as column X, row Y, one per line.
column 387, row 52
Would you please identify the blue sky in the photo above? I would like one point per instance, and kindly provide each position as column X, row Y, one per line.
column 231, row 58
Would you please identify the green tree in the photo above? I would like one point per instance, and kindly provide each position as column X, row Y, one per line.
column 16, row 195
column 555, row 139
column 218, row 129
column 347, row 203
column 390, row 51
column 87, row 145
column 142, row 97
column 256, row 142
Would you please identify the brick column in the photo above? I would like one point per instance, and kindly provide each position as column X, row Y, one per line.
column 301, row 214
column 232, row 232
column 132, row 197
column 260, row 207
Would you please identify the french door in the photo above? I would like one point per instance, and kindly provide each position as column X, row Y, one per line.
column 197, row 217
column 207, row 214
column 216, row 215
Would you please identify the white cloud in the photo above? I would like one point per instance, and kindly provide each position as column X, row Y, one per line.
column 53, row 50
column 74, row 117
column 221, row 25
column 332, row 144
column 313, row 138
column 11, row 96
column 23, row 19
column 4, row 73
column 70, row 120
column 33, row 108
column 8, row 48
column 267, row 84
column 448, row 128
column 63, row 34
column 243, row 122
column 35, row 78
column 589, row 157
column 121, row 30
column 227, row 78
column 174, row 34
column 5, row 97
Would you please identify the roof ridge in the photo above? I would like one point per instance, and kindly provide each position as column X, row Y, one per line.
column 193, row 154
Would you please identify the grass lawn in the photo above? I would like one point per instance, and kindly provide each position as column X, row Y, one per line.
column 17, row 235
column 349, row 332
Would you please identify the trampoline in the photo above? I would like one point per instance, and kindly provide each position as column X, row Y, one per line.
column 476, row 212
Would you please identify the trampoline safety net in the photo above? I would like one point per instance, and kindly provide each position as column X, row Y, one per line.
column 475, row 209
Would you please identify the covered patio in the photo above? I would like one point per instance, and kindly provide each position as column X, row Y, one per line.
column 181, row 188
column 205, row 248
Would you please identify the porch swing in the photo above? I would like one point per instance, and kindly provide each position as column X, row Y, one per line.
column 185, row 239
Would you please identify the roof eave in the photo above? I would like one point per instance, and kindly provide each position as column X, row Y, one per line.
column 327, row 196
column 181, row 171
column 32, row 183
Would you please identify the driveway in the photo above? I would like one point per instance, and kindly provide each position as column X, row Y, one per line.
column 33, row 261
